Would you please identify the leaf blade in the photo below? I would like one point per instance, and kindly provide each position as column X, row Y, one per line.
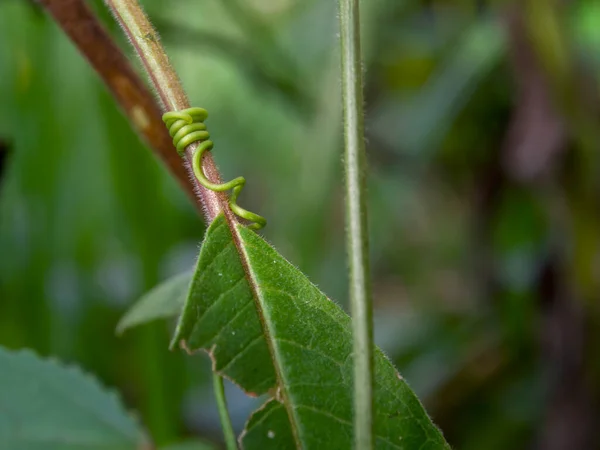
column 296, row 342
column 44, row 405
column 164, row 301
column 312, row 363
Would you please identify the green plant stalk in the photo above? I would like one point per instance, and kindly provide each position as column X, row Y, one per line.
column 230, row 440
column 356, row 216
column 145, row 40
column 135, row 24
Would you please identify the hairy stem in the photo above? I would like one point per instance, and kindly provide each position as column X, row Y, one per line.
column 82, row 26
column 230, row 441
column 147, row 45
column 356, row 214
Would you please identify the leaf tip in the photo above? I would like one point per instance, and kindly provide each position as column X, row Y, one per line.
column 120, row 328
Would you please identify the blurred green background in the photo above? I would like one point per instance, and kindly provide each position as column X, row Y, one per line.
column 483, row 140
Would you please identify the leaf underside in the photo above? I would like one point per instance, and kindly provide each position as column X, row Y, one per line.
column 162, row 302
column 47, row 406
column 268, row 329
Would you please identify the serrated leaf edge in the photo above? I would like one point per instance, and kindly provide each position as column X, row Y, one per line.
column 74, row 369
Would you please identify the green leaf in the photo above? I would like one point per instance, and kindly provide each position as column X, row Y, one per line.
column 162, row 302
column 47, row 406
column 268, row 329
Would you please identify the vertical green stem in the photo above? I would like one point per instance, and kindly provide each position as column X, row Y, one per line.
column 356, row 212
column 223, row 413
column 146, row 42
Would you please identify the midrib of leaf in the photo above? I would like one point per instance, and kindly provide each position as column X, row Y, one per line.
column 259, row 302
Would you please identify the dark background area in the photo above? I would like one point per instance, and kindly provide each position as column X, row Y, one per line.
column 484, row 189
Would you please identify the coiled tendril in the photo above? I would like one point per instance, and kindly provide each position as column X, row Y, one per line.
column 187, row 126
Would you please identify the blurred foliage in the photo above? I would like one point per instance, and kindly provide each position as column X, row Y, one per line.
column 481, row 277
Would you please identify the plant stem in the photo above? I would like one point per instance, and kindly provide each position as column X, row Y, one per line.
column 145, row 40
column 147, row 45
column 82, row 26
column 356, row 214
column 230, row 440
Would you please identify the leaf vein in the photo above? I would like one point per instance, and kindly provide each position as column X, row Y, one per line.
column 241, row 352
column 238, row 314
column 287, row 341
column 213, row 305
column 345, row 422
column 263, row 418
column 293, row 299
column 212, row 261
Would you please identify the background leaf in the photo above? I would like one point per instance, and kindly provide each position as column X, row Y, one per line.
column 267, row 328
column 164, row 301
column 44, row 405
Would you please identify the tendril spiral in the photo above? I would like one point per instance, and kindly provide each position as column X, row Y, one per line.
column 186, row 127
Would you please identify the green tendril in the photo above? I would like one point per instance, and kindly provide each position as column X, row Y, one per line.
column 186, row 127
